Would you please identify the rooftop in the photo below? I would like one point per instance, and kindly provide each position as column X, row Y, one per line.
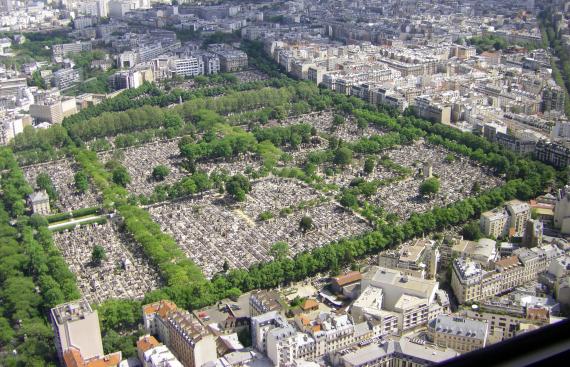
column 347, row 278
column 459, row 326
column 71, row 311
column 147, row 342
column 162, row 308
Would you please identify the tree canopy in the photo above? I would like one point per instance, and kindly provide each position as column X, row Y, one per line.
column 430, row 186
column 238, row 186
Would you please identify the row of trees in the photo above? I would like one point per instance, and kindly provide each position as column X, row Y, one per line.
column 37, row 145
column 33, row 275
column 292, row 135
column 561, row 64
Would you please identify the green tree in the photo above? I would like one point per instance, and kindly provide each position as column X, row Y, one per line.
column 476, row 188
column 430, row 186
column 348, row 199
column 279, row 250
column 81, row 181
column 265, row 216
column 38, row 81
column 338, row 120
column 44, row 182
column 244, row 337
column 238, row 186
column 306, row 224
column 369, row 165
column 121, row 176
column 343, row 156
column 98, row 255
column 37, row 221
column 6, row 332
column 471, row 231
column 160, row 172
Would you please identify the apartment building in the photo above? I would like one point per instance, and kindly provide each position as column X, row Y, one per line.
column 458, row 333
column 483, row 251
column 133, row 78
column 368, row 307
column 231, row 60
column 553, row 153
column 508, row 220
column 471, row 283
column 419, row 259
column 261, row 325
column 152, row 353
column 410, row 299
column 519, row 213
column 76, row 326
column 404, row 352
column 515, row 144
column 211, row 63
column 188, row 66
column 189, row 340
column 66, row 49
column 154, row 315
column 191, row 343
column 263, row 301
column 494, row 223
column 562, row 210
column 12, row 87
column 11, row 124
column 503, row 325
column 65, row 78
column 432, row 110
column 552, row 98
column 533, row 233
column 323, row 336
column 53, row 110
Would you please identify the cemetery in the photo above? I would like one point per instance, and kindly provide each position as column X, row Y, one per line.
column 62, row 174
column 212, row 230
column 122, row 272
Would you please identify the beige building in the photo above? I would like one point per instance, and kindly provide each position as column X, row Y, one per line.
column 392, row 353
column 53, row 110
column 152, row 353
column 39, row 201
column 76, row 327
column 508, row 221
column 471, row 282
column 410, row 299
column 483, row 251
column 191, row 343
column 494, row 223
column 501, row 326
column 519, row 213
column 562, row 210
column 263, row 301
column 419, row 259
column 458, row 333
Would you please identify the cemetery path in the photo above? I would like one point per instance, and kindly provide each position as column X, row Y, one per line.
column 76, row 221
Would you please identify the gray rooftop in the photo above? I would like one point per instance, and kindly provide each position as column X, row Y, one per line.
column 459, row 326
